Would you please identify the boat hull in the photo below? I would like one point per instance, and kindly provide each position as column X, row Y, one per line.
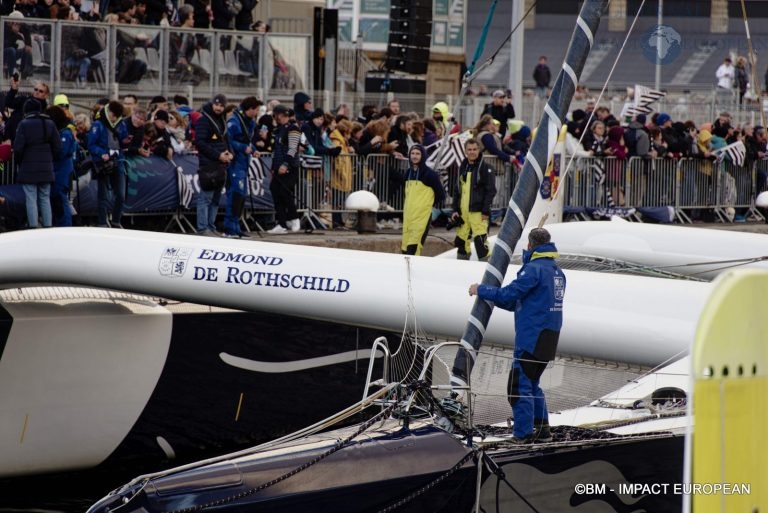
column 127, row 382
column 386, row 466
column 623, row 318
column 632, row 475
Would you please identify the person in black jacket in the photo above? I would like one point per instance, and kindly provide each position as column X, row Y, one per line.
column 542, row 76
column 475, row 190
column 213, row 152
column 134, row 128
column 302, row 107
column 314, row 130
column 35, row 144
column 16, row 100
column 285, row 171
column 17, row 45
column 501, row 110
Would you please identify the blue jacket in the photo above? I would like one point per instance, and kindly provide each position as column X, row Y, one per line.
column 240, row 132
column 536, row 296
column 103, row 138
column 64, row 160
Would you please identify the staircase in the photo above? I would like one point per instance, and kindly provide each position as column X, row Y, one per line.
column 692, row 66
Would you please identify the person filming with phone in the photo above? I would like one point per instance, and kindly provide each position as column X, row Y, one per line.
column 15, row 100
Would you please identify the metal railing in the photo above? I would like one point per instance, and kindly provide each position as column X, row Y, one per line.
column 692, row 188
column 100, row 59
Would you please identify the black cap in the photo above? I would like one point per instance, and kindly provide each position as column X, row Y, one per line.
column 162, row 115
column 317, row 113
column 280, row 109
column 219, row 99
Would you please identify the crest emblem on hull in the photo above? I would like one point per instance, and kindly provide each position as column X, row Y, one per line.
column 173, row 262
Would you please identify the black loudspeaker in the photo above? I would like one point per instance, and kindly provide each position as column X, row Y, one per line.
column 412, row 3
column 410, row 36
column 409, row 39
column 411, row 13
column 408, row 66
column 423, row 27
column 382, row 84
column 331, row 23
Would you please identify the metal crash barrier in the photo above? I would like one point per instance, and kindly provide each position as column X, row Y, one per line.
column 690, row 189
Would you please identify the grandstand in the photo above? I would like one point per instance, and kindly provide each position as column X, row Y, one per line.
column 701, row 51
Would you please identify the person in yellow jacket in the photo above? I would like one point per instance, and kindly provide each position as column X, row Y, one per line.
column 472, row 200
column 423, row 190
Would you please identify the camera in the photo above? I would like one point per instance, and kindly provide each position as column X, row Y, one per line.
column 453, row 223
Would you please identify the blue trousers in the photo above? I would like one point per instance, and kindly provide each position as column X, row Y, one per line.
column 236, row 193
column 112, row 185
column 525, row 394
column 207, row 209
column 62, row 215
column 37, row 198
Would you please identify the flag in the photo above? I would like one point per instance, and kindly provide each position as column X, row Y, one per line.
column 311, row 161
column 644, row 96
column 453, row 154
column 598, row 175
column 631, row 110
column 256, row 174
column 736, row 152
column 185, row 191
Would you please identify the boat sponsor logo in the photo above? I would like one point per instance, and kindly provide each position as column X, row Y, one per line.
column 173, row 262
column 260, row 271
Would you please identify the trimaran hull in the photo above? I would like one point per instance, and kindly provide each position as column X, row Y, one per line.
column 91, row 378
column 609, row 317
column 624, row 318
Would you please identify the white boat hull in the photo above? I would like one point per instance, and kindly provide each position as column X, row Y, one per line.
column 700, row 252
column 638, row 320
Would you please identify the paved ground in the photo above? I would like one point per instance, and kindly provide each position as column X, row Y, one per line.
column 439, row 240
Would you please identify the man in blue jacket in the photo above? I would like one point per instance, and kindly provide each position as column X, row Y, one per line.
column 104, row 147
column 241, row 129
column 536, row 297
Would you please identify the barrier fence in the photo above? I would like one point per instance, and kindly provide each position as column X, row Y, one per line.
column 666, row 190
column 687, row 189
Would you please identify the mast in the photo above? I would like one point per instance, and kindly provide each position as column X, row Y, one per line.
column 524, row 195
column 752, row 64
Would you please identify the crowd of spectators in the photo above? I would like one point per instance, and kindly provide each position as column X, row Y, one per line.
column 165, row 128
column 596, row 132
column 84, row 47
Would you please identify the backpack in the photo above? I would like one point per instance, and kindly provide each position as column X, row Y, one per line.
column 83, row 163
